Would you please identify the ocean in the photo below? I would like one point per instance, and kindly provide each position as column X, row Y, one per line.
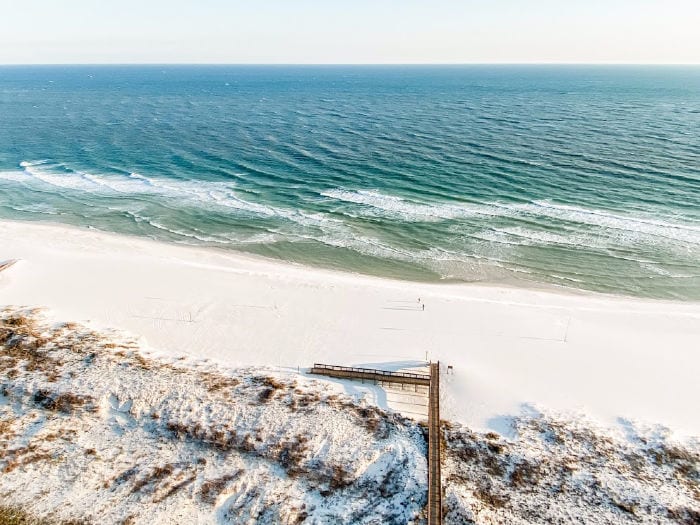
column 583, row 177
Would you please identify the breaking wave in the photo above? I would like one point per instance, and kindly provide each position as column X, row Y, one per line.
column 375, row 203
column 478, row 240
column 372, row 203
column 134, row 184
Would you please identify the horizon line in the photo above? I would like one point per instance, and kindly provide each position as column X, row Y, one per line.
column 20, row 64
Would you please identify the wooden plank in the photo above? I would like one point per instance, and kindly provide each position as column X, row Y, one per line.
column 434, row 480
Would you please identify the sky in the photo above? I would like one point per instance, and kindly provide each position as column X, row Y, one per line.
column 344, row 31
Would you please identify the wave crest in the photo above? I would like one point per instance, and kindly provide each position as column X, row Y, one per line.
column 372, row 203
column 396, row 206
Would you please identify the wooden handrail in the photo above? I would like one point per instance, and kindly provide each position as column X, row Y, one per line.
column 375, row 371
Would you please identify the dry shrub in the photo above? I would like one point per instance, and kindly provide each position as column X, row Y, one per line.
column 676, row 456
column 26, row 342
column 525, row 474
column 340, row 477
column 266, row 394
column 685, row 516
column 216, row 382
column 306, row 399
column 492, row 457
column 122, row 477
column 65, row 434
column 486, row 493
column 23, row 456
column 683, row 463
column 269, row 387
column 299, row 518
column 210, row 489
column 374, row 420
column 290, row 454
column 155, row 476
column 176, row 487
column 267, row 381
column 6, row 430
column 32, row 452
column 141, row 361
column 18, row 516
column 224, row 440
column 65, row 402
column 328, row 478
column 167, row 478
column 23, row 342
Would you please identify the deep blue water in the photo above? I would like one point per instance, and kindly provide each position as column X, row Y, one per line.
column 584, row 177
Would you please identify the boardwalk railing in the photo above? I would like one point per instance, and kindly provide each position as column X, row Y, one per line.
column 350, row 372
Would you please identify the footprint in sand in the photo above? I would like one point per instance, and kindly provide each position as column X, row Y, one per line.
column 117, row 413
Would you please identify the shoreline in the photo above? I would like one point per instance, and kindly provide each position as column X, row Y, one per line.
column 610, row 356
column 253, row 258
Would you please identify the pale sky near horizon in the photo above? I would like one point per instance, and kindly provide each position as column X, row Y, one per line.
column 361, row 31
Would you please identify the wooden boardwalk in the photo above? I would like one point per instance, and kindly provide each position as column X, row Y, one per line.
column 434, row 480
column 370, row 374
column 433, row 382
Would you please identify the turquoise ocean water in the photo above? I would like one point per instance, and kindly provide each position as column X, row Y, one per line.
column 583, row 177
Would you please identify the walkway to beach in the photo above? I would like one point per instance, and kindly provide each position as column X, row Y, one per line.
column 371, row 374
column 403, row 378
column 434, row 481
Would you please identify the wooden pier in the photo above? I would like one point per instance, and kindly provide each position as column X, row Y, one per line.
column 434, row 480
column 432, row 381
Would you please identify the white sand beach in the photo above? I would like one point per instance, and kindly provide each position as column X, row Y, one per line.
column 609, row 357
